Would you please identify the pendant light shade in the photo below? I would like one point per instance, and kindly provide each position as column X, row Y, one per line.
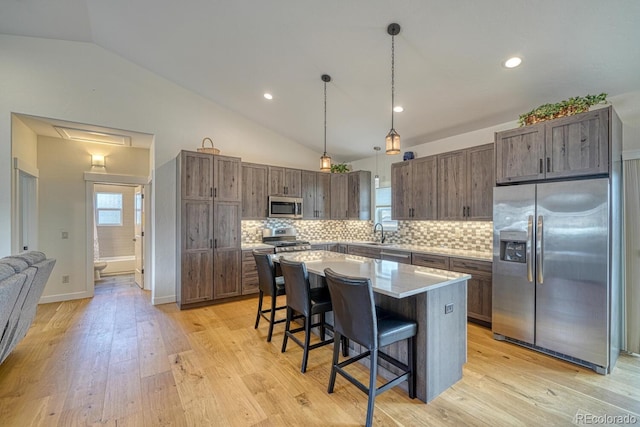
column 392, row 141
column 325, row 161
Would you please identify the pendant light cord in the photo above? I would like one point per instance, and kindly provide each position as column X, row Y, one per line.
column 393, row 88
column 325, row 118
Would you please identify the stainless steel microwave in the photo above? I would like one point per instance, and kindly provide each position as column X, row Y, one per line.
column 285, row 207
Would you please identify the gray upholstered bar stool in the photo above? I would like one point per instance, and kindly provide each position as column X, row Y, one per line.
column 269, row 285
column 301, row 298
column 357, row 318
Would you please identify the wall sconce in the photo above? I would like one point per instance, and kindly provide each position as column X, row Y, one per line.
column 97, row 160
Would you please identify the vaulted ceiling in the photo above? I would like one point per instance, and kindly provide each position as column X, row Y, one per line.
column 449, row 54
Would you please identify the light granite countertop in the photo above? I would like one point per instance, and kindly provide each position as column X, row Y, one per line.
column 458, row 253
column 387, row 277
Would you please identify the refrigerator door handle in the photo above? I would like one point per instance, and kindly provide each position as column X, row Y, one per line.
column 540, row 250
column 529, row 245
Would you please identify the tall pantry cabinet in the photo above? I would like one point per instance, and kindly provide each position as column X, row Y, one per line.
column 208, row 228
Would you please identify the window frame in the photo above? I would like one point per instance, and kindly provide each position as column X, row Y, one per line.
column 109, row 209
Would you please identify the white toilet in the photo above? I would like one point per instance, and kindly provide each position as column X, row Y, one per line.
column 98, row 266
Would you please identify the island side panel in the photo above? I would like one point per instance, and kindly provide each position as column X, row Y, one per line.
column 446, row 337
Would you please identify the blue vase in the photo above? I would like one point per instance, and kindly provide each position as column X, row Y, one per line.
column 408, row 155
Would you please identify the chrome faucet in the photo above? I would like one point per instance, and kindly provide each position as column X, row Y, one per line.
column 375, row 227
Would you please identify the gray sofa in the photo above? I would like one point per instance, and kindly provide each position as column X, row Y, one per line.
column 22, row 281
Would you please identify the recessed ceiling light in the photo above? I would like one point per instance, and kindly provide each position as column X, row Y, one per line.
column 513, row 62
column 268, row 96
column 398, row 109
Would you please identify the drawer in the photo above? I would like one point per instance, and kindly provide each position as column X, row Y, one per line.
column 397, row 256
column 319, row 247
column 461, row 265
column 363, row 251
column 428, row 260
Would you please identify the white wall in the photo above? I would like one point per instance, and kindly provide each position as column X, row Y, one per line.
column 627, row 106
column 62, row 201
column 84, row 83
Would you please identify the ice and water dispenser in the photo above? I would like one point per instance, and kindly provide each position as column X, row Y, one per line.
column 513, row 246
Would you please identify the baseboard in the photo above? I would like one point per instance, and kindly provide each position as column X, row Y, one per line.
column 163, row 300
column 65, row 297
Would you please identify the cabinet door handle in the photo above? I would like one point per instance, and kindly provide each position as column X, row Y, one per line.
column 548, row 164
column 413, row 212
column 541, row 170
column 211, row 191
column 210, row 243
column 215, row 243
column 463, row 211
column 215, row 192
column 468, row 211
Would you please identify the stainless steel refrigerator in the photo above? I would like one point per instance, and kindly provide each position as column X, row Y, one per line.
column 554, row 270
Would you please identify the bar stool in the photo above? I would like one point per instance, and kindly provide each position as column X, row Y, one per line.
column 269, row 285
column 301, row 298
column 357, row 318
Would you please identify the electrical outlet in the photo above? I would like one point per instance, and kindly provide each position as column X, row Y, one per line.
column 65, row 279
column 448, row 308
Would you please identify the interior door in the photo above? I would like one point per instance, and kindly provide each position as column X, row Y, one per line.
column 28, row 212
column 138, row 238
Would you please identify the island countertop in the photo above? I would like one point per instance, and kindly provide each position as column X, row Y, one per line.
column 387, row 277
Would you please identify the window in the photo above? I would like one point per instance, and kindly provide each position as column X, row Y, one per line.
column 109, row 209
column 383, row 209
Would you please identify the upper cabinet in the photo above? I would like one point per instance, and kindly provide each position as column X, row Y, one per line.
column 414, row 184
column 351, row 195
column 195, row 175
column 567, row 147
column 316, row 195
column 226, row 179
column 465, row 184
column 255, row 188
column 285, row 182
column 339, row 195
column 359, row 195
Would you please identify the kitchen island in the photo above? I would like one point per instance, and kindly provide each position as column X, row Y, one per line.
column 435, row 299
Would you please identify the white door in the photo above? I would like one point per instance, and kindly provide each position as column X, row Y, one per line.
column 28, row 212
column 139, row 235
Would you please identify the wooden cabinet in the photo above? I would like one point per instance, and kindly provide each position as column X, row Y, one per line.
column 227, row 183
column 567, row 147
column 465, row 184
column 316, row 195
column 351, row 195
column 364, row 251
column 194, row 257
column 402, row 257
column 255, row 191
column 429, row 260
column 285, row 182
column 479, row 287
column 208, row 224
column 339, row 195
column 414, row 189
column 226, row 250
column 359, row 195
column 250, row 272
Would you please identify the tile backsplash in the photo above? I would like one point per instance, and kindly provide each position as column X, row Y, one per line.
column 467, row 235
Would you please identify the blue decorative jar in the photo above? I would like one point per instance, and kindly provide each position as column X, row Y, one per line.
column 408, row 155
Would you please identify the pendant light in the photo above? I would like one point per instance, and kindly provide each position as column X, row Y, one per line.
column 393, row 138
column 325, row 161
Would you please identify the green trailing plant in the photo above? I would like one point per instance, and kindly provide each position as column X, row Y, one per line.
column 568, row 107
column 339, row 168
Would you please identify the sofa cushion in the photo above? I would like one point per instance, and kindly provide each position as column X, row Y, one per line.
column 17, row 264
column 31, row 257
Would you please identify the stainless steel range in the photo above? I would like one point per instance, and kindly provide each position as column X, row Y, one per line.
column 284, row 239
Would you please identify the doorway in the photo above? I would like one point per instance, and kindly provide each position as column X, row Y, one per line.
column 118, row 231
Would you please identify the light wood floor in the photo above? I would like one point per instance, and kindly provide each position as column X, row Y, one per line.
column 117, row 360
